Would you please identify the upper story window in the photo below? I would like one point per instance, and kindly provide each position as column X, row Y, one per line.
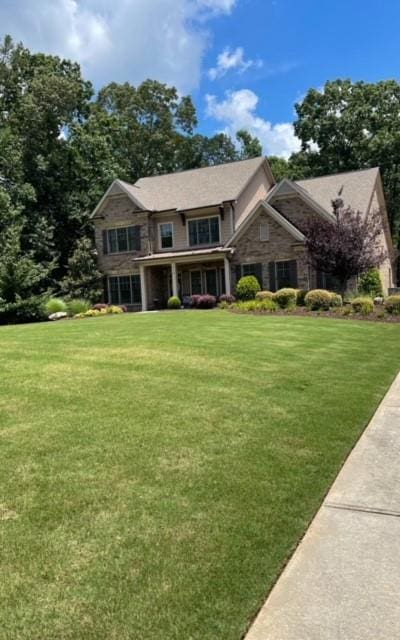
column 203, row 231
column 121, row 240
column 264, row 232
column 166, row 231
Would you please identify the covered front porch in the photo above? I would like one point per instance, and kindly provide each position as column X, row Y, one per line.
column 183, row 274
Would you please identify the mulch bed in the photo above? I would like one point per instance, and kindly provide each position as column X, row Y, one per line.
column 336, row 315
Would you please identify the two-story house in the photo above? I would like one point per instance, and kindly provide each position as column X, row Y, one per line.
column 199, row 231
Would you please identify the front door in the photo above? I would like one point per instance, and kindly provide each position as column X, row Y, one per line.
column 211, row 282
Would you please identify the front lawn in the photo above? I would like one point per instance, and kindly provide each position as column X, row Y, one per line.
column 158, row 469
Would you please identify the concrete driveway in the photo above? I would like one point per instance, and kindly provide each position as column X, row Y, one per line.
column 343, row 581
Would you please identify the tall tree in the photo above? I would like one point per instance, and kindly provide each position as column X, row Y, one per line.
column 353, row 125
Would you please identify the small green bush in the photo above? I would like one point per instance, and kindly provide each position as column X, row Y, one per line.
column 248, row 306
column 92, row 313
column 113, row 308
column 300, row 296
column 318, row 299
column 174, row 303
column 247, row 288
column 76, row 306
column 54, row 305
column 264, row 295
column 370, row 283
column 285, row 298
column 28, row 310
column 392, row 304
column 336, row 300
column 363, row 305
column 347, row 310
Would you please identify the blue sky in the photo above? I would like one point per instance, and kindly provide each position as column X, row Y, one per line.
column 245, row 62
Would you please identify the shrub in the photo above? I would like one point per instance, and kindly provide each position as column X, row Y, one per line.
column 224, row 305
column 247, row 288
column 285, row 298
column 318, row 299
column 336, row 300
column 264, row 295
column 363, row 305
column 392, row 304
column 347, row 310
column 77, row 306
column 370, row 283
column 206, row 301
column 93, row 313
column 194, row 300
column 53, row 305
column 99, row 306
column 226, row 297
column 267, row 305
column 300, row 296
column 112, row 308
column 174, row 302
column 28, row 310
column 246, row 306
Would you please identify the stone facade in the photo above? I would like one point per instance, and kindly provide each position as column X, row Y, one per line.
column 280, row 246
column 294, row 209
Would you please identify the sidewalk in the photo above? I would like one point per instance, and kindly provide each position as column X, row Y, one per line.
column 343, row 581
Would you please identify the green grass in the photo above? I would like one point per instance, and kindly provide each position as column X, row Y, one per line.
column 157, row 470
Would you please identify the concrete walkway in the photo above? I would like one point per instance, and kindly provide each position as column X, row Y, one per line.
column 343, row 581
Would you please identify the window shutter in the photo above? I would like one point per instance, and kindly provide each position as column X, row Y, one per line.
column 272, row 278
column 293, row 273
column 258, row 273
column 320, row 280
column 134, row 243
column 238, row 270
column 105, row 244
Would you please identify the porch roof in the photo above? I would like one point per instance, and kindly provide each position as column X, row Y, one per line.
column 183, row 256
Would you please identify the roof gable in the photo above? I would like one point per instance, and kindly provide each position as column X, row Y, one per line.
column 278, row 217
column 118, row 187
column 197, row 188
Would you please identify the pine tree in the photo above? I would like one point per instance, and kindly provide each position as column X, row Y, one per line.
column 83, row 280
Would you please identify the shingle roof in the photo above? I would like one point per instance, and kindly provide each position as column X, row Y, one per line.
column 356, row 188
column 194, row 188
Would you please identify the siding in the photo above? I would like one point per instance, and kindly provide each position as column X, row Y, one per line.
column 180, row 230
column 255, row 191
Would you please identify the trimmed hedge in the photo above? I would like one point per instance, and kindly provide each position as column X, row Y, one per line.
column 318, row 299
column 363, row 305
column 264, row 295
column 392, row 304
column 300, row 297
column 247, row 288
column 174, row 302
column 336, row 300
column 285, row 298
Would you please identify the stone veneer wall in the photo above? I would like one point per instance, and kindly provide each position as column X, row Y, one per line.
column 280, row 246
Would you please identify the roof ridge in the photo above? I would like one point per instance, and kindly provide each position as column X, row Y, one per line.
column 211, row 166
column 340, row 173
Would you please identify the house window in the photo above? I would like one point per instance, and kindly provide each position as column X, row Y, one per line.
column 121, row 240
column 264, row 232
column 166, row 230
column 282, row 274
column 124, row 289
column 250, row 269
column 195, row 283
column 203, row 231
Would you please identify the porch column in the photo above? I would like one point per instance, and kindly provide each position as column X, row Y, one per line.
column 143, row 288
column 174, row 275
column 227, row 267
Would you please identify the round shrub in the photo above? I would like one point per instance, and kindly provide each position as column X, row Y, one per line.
column 264, row 295
column 77, row 306
column 370, row 283
column 318, row 299
column 336, row 300
column 363, row 305
column 113, row 308
column 285, row 298
column 247, row 288
column 392, row 304
column 300, row 296
column 206, row 301
column 174, row 302
column 228, row 298
column 53, row 305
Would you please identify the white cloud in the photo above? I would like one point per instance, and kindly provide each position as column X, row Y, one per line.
column 229, row 60
column 238, row 111
column 128, row 40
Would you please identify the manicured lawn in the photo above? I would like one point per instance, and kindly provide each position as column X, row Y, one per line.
column 158, row 469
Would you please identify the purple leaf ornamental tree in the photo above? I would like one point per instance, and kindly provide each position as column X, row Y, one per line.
column 347, row 246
